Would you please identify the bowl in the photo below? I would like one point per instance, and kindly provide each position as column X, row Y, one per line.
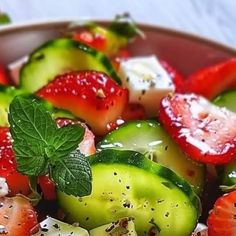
column 184, row 51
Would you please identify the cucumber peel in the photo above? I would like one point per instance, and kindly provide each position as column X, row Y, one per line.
column 126, row 184
column 59, row 56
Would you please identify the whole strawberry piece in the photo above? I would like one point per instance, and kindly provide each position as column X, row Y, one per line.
column 90, row 95
column 205, row 132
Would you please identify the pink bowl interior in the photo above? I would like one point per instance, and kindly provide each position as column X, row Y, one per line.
column 187, row 53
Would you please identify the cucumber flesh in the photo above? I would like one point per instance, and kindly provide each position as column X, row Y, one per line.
column 148, row 137
column 227, row 172
column 6, row 96
column 127, row 184
column 60, row 56
column 226, row 99
column 53, row 227
column 122, row 227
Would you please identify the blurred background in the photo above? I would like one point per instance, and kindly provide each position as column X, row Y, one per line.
column 214, row 19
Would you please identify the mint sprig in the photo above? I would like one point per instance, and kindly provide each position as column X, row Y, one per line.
column 40, row 147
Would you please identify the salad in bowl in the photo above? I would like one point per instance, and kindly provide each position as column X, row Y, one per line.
column 98, row 140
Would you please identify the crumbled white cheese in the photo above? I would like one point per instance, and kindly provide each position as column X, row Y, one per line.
column 148, row 82
column 3, row 187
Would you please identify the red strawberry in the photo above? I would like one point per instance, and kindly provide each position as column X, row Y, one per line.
column 48, row 187
column 96, row 41
column 211, row 81
column 90, row 95
column 17, row 216
column 132, row 111
column 222, row 219
column 3, row 76
column 205, row 132
column 174, row 74
column 17, row 182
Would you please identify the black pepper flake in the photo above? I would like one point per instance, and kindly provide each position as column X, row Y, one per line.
column 128, row 187
column 166, row 147
column 126, row 205
column 44, row 229
column 167, row 214
column 153, row 209
column 160, row 200
column 87, row 218
column 143, row 91
column 115, row 173
column 152, row 84
column 56, row 226
column 127, row 79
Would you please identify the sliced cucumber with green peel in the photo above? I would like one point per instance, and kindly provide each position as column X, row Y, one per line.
column 127, row 184
column 148, row 137
column 53, row 227
column 6, row 96
column 227, row 172
column 227, row 100
column 59, row 56
column 121, row 227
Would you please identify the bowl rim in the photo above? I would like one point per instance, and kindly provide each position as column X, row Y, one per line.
column 65, row 23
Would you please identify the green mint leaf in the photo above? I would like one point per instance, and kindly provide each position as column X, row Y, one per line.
column 33, row 130
column 30, row 120
column 67, row 139
column 125, row 26
column 4, row 18
column 30, row 157
column 72, row 175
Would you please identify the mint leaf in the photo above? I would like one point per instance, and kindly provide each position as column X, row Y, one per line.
column 30, row 120
column 40, row 147
column 33, row 130
column 72, row 175
column 67, row 140
column 30, row 157
column 4, row 18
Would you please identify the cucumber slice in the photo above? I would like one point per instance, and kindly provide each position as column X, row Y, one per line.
column 127, row 184
column 59, row 56
column 6, row 96
column 227, row 172
column 148, row 137
column 53, row 227
column 226, row 99
column 122, row 227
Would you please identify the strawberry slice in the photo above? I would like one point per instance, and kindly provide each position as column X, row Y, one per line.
column 205, row 132
column 17, row 216
column 96, row 41
column 133, row 111
column 90, row 95
column 222, row 219
column 211, row 81
column 17, row 182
